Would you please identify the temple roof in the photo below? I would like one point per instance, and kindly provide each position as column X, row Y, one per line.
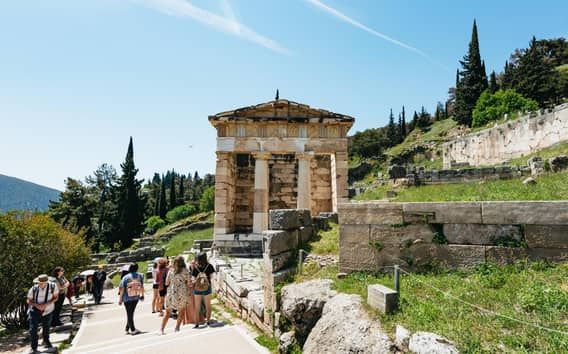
column 281, row 110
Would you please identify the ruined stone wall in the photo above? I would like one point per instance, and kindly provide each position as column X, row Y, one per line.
column 452, row 234
column 244, row 192
column 509, row 140
column 321, row 184
column 283, row 181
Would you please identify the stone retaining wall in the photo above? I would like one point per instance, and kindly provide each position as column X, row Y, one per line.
column 509, row 140
column 453, row 234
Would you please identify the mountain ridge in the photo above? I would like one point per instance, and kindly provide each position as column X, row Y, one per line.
column 19, row 194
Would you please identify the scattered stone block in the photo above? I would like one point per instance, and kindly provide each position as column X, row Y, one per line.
column 278, row 241
column 284, row 219
column 286, row 342
column 402, row 336
column 428, row 343
column 382, row 298
column 529, row 181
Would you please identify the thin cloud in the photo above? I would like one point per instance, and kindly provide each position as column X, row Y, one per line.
column 183, row 8
column 367, row 29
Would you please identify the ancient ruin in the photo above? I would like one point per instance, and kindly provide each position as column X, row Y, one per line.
column 275, row 155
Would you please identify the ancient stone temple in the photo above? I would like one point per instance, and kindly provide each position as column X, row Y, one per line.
column 275, row 155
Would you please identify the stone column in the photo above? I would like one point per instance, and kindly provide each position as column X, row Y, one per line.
column 224, row 193
column 339, row 170
column 260, row 216
column 304, row 180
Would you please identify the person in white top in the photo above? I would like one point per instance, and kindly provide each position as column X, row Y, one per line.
column 41, row 300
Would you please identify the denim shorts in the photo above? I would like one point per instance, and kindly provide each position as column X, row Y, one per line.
column 204, row 292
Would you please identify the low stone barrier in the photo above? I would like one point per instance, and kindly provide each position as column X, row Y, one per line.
column 453, row 234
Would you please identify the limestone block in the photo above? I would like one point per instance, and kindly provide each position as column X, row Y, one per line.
column 479, row 234
column 304, row 217
column 305, row 234
column 278, row 262
column 539, row 213
column 400, row 236
column 354, row 234
column 382, row 298
column 445, row 212
column 279, row 241
column 370, row 213
column 284, row 219
column 358, row 257
column 504, row 255
column 550, row 254
column 451, row 256
column 256, row 304
column 546, row 236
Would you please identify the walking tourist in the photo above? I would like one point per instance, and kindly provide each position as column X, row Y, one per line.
column 178, row 282
column 155, row 291
column 162, row 287
column 201, row 275
column 131, row 290
column 99, row 279
column 62, row 285
column 41, row 300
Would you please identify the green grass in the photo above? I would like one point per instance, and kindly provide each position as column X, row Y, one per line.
column 184, row 240
column 553, row 186
column 552, row 151
column 268, row 342
column 325, row 242
column 204, row 216
column 436, row 133
column 532, row 292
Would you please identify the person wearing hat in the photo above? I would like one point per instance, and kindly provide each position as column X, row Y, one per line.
column 41, row 300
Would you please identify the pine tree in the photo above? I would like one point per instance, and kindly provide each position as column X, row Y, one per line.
column 391, row 130
column 131, row 204
column 403, row 125
column 506, row 77
column 181, row 197
column 472, row 81
column 173, row 198
column 162, row 204
column 484, row 74
column 399, row 132
column 493, row 85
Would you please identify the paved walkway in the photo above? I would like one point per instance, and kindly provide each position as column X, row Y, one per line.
column 102, row 331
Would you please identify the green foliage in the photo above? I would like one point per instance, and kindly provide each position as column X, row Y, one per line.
column 184, row 240
column 368, row 143
column 551, row 151
column 552, row 186
column 162, row 204
column 543, row 298
column 439, row 239
column 180, row 212
column 325, row 242
column 492, row 107
column 268, row 342
column 32, row 244
column 207, row 201
column 153, row 223
column 378, row 245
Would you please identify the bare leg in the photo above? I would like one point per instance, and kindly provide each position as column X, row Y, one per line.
column 155, row 299
column 208, row 307
column 197, row 307
column 181, row 318
column 165, row 320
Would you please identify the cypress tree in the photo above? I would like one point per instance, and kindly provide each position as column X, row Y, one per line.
column 391, row 130
column 493, row 85
column 131, row 203
column 403, row 125
column 399, row 133
column 181, row 198
column 173, row 198
column 472, row 81
column 163, row 207
column 484, row 75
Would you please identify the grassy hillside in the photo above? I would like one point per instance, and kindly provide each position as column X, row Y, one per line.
column 17, row 194
column 552, row 186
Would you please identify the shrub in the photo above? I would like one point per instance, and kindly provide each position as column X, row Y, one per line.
column 153, row 223
column 207, row 201
column 491, row 107
column 31, row 244
column 180, row 212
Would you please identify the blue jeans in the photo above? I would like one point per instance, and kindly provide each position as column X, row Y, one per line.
column 35, row 318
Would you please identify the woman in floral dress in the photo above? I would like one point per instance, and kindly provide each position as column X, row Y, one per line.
column 178, row 282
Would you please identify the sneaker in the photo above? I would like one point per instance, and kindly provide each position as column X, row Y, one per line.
column 196, row 325
column 135, row 332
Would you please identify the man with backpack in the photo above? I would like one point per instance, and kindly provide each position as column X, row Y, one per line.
column 131, row 289
column 41, row 300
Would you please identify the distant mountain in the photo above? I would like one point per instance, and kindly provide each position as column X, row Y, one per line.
column 16, row 193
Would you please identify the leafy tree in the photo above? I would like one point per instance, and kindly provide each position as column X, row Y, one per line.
column 440, row 113
column 491, row 107
column 102, row 188
column 153, row 224
column 369, row 143
column 424, row 119
column 181, row 212
column 472, row 81
column 207, row 201
column 130, row 203
column 32, row 244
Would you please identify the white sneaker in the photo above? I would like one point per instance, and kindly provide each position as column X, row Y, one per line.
column 135, row 332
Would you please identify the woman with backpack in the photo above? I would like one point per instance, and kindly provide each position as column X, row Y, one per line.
column 131, row 290
column 178, row 282
column 201, row 275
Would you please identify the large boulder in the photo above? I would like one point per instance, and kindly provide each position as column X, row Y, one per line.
column 558, row 163
column 302, row 304
column 430, row 343
column 345, row 327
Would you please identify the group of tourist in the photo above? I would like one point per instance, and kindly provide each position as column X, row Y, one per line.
column 177, row 288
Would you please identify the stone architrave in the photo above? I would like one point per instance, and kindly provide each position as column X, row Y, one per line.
column 260, row 216
column 304, row 180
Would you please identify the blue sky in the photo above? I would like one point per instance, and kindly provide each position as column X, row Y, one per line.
column 78, row 78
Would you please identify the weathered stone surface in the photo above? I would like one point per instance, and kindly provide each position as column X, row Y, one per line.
column 451, row 256
column 529, row 181
column 504, row 255
column 400, row 236
column 284, row 219
column 286, row 342
column 445, row 212
column 558, row 163
column 304, row 217
column 346, row 328
column 401, row 337
column 354, row 233
column 370, row 213
column 523, row 212
column 546, row 236
column 305, row 233
column 275, row 242
column 382, row 298
column 536, row 164
column 278, row 262
column 551, row 254
column 430, row 343
column 302, row 303
column 479, row 234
